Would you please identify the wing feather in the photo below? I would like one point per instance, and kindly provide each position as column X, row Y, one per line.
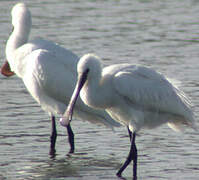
column 150, row 90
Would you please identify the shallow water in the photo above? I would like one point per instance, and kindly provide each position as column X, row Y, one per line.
column 160, row 34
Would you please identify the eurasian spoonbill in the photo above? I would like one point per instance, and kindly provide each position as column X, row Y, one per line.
column 136, row 96
column 48, row 72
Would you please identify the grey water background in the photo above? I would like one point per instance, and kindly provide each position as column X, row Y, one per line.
column 160, row 34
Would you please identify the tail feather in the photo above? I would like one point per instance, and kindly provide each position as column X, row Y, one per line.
column 179, row 124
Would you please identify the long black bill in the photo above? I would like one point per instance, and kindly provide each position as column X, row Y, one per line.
column 67, row 117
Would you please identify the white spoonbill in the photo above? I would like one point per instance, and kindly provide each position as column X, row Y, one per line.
column 48, row 72
column 136, row 96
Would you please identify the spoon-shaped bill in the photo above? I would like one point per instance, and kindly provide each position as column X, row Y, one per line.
column 67, row 116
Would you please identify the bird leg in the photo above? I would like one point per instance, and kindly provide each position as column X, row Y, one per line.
column 53, row 137
column 71, row 138
column 131, row 156
column 130, row 133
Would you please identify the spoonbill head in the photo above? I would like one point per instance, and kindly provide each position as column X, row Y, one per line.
column 48, row 72
column 136, row 96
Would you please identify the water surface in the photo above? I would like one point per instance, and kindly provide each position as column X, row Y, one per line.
column 159, row 34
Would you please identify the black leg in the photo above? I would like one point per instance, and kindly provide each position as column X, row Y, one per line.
column 130, row 133
column 71, row 138
column 53, row 137
column 132, row 156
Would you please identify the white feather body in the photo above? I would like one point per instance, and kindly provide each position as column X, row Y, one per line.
column 135, row 96
column 47, row 70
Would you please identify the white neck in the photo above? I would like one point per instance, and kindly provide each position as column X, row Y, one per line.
column 16, row 40
column 21, row 21
column 93, row 91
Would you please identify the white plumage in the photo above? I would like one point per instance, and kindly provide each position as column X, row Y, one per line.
column 136, row 96
column 47, row 70
column 154, row 99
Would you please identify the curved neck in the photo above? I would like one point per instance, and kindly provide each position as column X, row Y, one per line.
column 17, row 38
column 96, row 92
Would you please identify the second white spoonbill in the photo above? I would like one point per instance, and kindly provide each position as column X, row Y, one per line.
column 136, row 96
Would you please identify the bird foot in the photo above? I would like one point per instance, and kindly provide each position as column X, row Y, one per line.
column 52, row 153
column 119, row 175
